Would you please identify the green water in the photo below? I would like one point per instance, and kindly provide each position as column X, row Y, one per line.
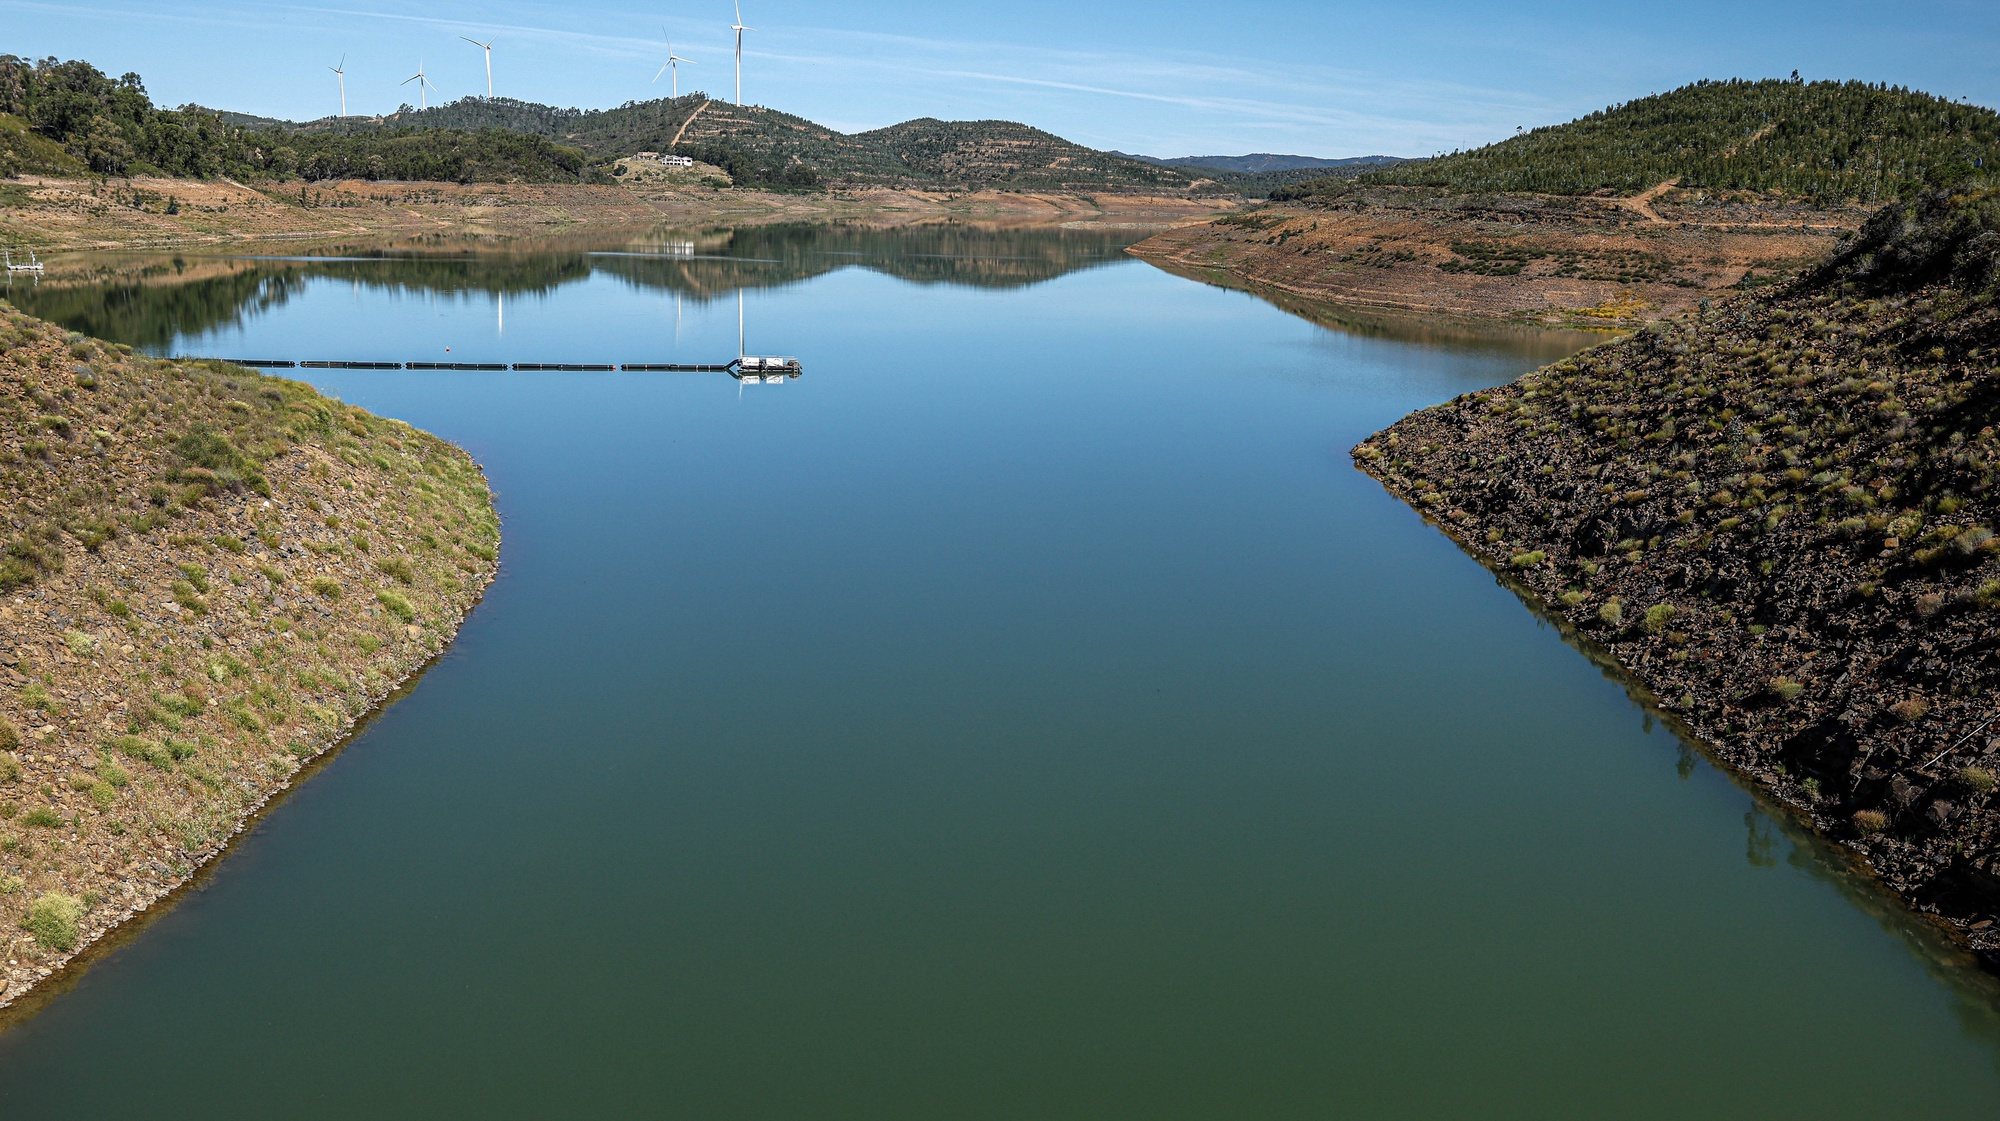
column 1027, row 713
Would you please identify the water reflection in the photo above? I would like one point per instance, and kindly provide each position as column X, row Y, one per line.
column 149, row 299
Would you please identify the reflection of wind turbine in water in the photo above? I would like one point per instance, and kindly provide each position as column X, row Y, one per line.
column 500, row 314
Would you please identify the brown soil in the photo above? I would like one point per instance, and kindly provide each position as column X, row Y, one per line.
column 87, row 214
column 1578, row 262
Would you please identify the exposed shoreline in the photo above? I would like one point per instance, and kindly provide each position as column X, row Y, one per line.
column 238, row 624
column 53, row 215
column 1790, row 562
column 1564, row 262
column 18, row 1003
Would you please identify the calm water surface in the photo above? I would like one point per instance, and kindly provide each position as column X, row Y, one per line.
column 1027, row 713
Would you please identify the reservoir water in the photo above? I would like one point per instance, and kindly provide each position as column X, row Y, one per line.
column 1028, row 712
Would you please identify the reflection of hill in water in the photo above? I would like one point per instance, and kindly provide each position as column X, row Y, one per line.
column 150, row 300
column 769, row 256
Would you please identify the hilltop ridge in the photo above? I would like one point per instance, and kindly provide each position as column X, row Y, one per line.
column 1828, row 142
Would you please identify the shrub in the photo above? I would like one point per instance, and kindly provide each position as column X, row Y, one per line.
column 42, row 817
column 1785, row 689
column 54, row 918
column 1870, row 821
column 326, row 587
column 79, row 643
column 10, row 767
column 1612, row 614
column 1527, row 560
column 1979, row 779
column 397, row 605
column 1911, row 710
column 10, row 736
column 1657, row 617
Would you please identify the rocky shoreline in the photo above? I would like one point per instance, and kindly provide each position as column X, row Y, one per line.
column 1776, row 516
column 209, row 580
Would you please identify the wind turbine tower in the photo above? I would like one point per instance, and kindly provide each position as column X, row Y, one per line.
column 739, row 29
column 487, row 46
column 422, row 82
column 341, row 73
column 673, row 63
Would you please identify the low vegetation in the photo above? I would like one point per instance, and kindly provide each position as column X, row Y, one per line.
column 1802, row 486
column 165, row 661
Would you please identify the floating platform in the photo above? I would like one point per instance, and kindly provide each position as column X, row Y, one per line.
column 746, row 368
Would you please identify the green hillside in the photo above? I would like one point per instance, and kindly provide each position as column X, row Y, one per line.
column 768, row 148
column 1825, row 141
column 1002, row 153
column 110, row 126
column 23, row 151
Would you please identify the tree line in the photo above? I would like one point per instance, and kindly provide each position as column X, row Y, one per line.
column 112, row 127
column 1822, row 141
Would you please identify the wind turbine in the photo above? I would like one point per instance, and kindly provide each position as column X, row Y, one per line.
column 421, row 81
column 739, row 29
column 672, row 64
column 487, row 46
column 341, row 72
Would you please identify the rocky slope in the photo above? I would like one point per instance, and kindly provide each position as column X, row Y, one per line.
column 206, row 577
column 1777, row 514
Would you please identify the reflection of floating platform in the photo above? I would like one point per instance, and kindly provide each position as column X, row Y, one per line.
column 749, row 368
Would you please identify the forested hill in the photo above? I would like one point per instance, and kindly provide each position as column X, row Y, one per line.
column 982, row 153
column 766, row 147
column 1825, row 141
column 64, row 118
column 67, row 118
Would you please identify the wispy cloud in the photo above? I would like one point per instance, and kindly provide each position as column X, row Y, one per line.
column 879, row 76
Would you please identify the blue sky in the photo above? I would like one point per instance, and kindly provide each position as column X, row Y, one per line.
column 1334, row 79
